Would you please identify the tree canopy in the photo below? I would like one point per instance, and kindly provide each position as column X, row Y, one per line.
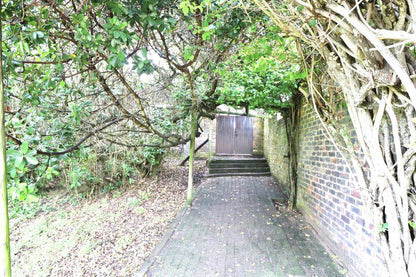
column 89, row 80
column 109, row 74
column 263, row 74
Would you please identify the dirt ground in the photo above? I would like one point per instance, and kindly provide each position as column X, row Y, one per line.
column 110, row 235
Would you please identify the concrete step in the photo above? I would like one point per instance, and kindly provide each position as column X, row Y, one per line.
column 221, row 166
column 238, row 161
column 250, row 174
column 238, row 169
column 237, row 165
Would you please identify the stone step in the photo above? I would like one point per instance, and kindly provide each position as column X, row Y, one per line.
column 238, row 165
column 239, row 161
column 238, row 170
column 221, row 166
column 250, row 174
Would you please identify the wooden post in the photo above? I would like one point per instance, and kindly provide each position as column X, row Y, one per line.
column 4, row 213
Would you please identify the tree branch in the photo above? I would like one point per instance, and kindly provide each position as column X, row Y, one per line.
column 75, row 146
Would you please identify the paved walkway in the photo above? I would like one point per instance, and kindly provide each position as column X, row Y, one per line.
column 234, row 229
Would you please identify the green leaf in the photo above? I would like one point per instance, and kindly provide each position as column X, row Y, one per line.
column 22, row 196
column 117, row 34
column 282, row 57
column 151, row 21
column 24, row 147
column 30, row 131
column 12, row 153
column 300, row 8
column 144, row 52
column 37, row 35
column 121, row 57
column 312, row 23
column 113, row 60
column 20, row 163
column 384, row 227
column 206, row 35
column 188, row 56
column 12, row 172
column 32, row 198
column 31, row 160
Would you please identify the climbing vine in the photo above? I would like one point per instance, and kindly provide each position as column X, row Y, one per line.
column 363, row 53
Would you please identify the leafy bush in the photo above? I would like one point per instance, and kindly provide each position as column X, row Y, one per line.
column 89, row 170
column 84, row 171
column 26, row 173
column 151, row 158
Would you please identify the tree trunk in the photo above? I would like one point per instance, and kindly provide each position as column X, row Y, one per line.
column 190, row 190
column 292, row 125
column 4, row 215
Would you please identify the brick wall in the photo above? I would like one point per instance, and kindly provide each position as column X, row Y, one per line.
column 276, row 149
column 328, row 196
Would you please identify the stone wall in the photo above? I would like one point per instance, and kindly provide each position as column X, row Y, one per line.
column 328, row 196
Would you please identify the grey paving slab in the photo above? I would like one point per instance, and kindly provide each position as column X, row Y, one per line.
column 234, row 229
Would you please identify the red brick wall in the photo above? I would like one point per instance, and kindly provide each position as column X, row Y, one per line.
column 329, row 197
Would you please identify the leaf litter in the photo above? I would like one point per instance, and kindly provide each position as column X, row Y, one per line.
column 110, row 235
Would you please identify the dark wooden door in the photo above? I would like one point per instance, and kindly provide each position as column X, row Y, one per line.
column 234, row 135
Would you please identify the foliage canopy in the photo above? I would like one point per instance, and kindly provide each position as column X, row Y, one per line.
column 263, row 74
column 90, row 80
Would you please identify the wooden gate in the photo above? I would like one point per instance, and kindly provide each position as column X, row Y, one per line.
column 234, row 135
